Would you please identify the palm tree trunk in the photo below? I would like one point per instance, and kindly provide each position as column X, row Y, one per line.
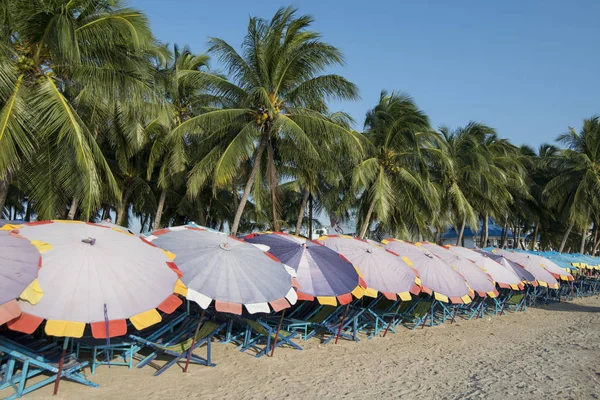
column 504, row 238
column 4, row 183
column 159, row 209
column 535, row 235
column 565, row 237
column 273, row 187
column 583, row 237
column 518, row 235
column 310, row 216
column 596, row 241
column 73, row 208
column 301, row 212
column 28, row 211
column 248, row 188
column 485, row 230
column 366, row 223
column 123, row 207
column 461, row 232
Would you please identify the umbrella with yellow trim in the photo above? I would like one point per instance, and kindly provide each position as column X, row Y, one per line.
column 320, row 271
column 382, row 271
column 19, row 264
column 505, row 278
column 437, row 278
column 99, row 276
column 476, row 278
column 533, row 265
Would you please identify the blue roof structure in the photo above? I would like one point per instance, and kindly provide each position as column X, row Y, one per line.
column 494, row 230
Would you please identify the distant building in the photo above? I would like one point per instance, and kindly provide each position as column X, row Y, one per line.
column 471, row 239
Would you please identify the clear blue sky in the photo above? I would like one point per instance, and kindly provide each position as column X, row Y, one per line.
column 527, row 68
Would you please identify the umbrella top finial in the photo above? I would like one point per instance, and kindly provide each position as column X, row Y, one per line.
column 89, row 240
column 225, row 246
column 369, row 250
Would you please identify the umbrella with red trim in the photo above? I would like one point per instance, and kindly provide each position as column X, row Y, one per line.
column 320, row 271
column 533, row 264
column 228, row 271
column 382, row 271
column 19, row 263
column 96, row 275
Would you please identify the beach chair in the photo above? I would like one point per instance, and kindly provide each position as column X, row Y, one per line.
column 516, row 302
column 123, row 350
column 310, row 325
column 261, row 336
column 22, row 363
column 418, row 313
column 178, row 346
column 343, row 322
column 377, row 313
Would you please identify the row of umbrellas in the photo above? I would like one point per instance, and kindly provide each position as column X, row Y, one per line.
column 71, row 274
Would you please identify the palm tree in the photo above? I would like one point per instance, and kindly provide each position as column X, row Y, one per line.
column 394, row 175
column 466, row 174
column 56, row 58
column 185, row 97
column 575, row 190
column 275, row 92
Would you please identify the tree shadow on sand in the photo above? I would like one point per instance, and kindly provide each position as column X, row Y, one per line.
column 572, row 307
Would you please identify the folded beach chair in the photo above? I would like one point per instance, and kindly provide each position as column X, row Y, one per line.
column 178, row 345
column 22, row 363
column 261, row 337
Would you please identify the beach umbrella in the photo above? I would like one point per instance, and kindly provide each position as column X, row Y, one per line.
column 382, row 271
column 19, row 264
column 321, row 272
column 437, row 278
column 96, row 275
column 477, row 279
column 532, row 264
column 232, row 273
column 512, row 266
column 228, row 271
column 505, row 278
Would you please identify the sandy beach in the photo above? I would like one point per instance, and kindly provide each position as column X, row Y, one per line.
column 549, row 352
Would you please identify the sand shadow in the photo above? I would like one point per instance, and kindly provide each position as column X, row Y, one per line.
column 571, row 307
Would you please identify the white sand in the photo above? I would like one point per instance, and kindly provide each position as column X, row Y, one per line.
column 550, row 352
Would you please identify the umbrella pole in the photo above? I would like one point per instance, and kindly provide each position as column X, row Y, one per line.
column 342, row 324
column 393, row 319
column 454, row 315
column 60, row 365
column 427, row 316
column 277, row 334
column 107, row 336
column 189, row 356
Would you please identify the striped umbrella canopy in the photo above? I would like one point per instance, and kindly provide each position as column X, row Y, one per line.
column 320, row 271
column 477, row 279
column 383, row 271
column 526, row 276
column 532, row 264
column 437, row 278
column 228, row 271
column 92, row 274
column 505, row 278
column 19, row 264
